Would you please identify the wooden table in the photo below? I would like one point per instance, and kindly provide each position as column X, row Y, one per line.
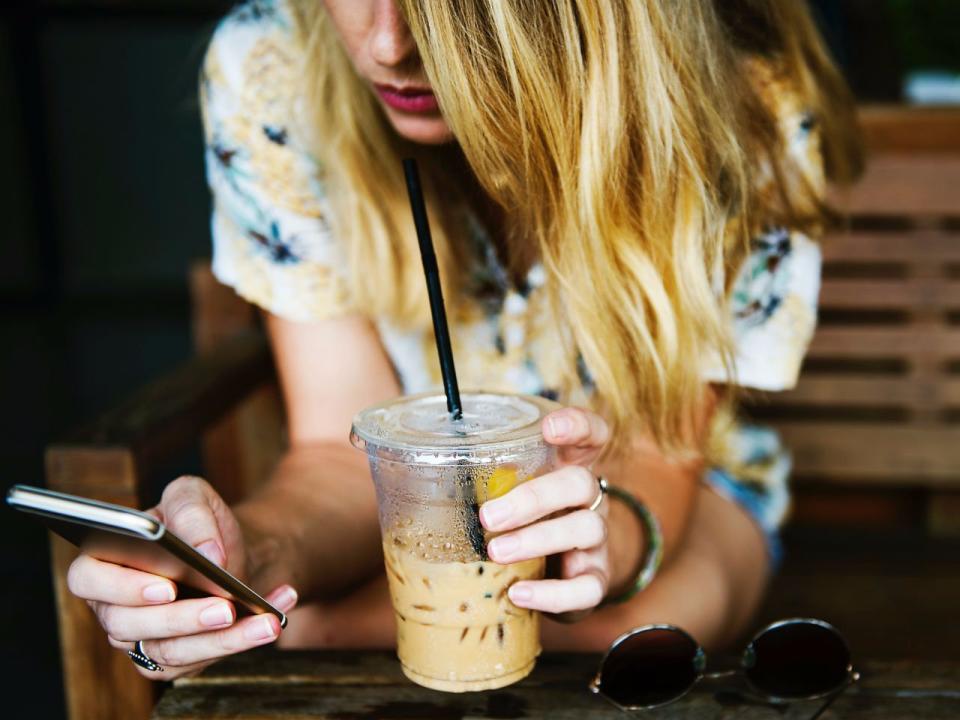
column 354, row 685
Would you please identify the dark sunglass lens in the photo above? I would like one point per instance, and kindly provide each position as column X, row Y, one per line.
column 650, row 667
column 797, row 660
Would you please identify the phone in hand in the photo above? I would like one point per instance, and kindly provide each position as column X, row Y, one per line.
column 135, row 539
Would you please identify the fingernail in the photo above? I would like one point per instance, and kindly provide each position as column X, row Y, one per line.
column 503, row 547
column 496, row 512
column 159, row 592
column 559, row 426
column 216, row 615
column 520, row 593
column 259, row 629
column 212, row 552
column 286, row 599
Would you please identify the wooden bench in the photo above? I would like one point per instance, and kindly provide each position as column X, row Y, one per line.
column 874, row 424
column 874, row 413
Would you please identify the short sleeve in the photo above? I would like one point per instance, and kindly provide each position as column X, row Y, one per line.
column 773, row 301
column 773, row 306
column 271, row 242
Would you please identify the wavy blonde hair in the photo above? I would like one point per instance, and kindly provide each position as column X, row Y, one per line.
column 610, row 135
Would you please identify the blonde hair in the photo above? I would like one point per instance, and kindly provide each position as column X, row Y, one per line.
column 608, row 132
column 784, row 35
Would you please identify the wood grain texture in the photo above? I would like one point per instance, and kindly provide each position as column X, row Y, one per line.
column 100, row 683
column 875, row 453
column 332, row 684
column 870, row 391
column 885, row 341
column 906, row 245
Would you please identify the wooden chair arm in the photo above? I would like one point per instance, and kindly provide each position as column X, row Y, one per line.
column 167, row 414
column 104, row 460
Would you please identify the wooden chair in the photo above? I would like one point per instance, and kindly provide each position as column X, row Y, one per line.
column 227, row 395
column 875, row 409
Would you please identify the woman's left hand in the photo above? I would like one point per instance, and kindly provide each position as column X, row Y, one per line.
column 579, row 535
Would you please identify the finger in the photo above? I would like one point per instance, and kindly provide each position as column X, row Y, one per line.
column 569, row 487
column 558, row 596
column 93, row 579
column 187, row 510
column 168, row 673
column 575, row 531
column 248, row 633
column 283, row 598
column 580, row 434
column 187, row 617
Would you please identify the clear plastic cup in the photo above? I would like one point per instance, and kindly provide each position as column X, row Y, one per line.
column 456, row 628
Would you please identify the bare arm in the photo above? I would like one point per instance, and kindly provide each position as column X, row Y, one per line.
column 314, row 524
column 711, row 589
column 667, row 487
column 711, row 583
column 715, row 565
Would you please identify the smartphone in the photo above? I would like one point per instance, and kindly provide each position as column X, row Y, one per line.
column 117, row 534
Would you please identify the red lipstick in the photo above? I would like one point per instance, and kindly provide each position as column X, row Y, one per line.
column 409, row 99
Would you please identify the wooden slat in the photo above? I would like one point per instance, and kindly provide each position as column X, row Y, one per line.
column 901, row 246
column 881, row 341
column 875, row 453
column 869, row 391
column 93, row 471
column 890, row 294
column 903, row 184
column 905, row 129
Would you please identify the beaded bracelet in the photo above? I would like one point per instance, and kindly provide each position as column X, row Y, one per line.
column 653, row 552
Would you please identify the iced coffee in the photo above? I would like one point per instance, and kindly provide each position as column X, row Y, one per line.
column 456, row 627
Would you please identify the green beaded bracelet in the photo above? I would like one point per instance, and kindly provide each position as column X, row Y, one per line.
column 653, row 553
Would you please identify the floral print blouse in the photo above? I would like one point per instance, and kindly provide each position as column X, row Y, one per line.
column 272, row 245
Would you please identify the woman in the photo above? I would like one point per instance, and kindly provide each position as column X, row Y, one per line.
column 595, row 171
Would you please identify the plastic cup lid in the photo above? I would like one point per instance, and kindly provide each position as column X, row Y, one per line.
column 417, row 429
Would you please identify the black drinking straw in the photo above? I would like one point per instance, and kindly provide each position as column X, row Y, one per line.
column 440, row 329
column 465, row 490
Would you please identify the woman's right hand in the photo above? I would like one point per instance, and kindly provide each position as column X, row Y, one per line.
column 182, row 636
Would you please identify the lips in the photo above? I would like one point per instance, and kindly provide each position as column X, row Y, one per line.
column 409, row 99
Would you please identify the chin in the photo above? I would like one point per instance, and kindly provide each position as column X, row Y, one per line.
column 425, row 130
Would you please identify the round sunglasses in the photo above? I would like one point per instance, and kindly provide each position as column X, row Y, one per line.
column 789, row 660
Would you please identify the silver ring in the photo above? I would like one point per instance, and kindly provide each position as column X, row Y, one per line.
column 602, row 482
column 141, row 658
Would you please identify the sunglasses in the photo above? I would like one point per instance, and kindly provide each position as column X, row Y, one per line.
column 787, row 661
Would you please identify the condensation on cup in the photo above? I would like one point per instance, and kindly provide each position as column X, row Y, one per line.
column 457, row 630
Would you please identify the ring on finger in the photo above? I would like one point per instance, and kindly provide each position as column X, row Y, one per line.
column 602, row 483
column 140, row 657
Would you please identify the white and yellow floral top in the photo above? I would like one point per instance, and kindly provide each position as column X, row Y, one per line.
column 272, row 245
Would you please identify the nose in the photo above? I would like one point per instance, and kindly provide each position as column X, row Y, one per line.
column 391, row 43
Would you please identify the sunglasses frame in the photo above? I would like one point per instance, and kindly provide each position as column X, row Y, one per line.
column 700, row 660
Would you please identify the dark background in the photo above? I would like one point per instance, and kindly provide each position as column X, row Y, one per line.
column 103, row 205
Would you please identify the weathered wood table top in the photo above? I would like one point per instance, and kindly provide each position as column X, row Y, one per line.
column 349, row 685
